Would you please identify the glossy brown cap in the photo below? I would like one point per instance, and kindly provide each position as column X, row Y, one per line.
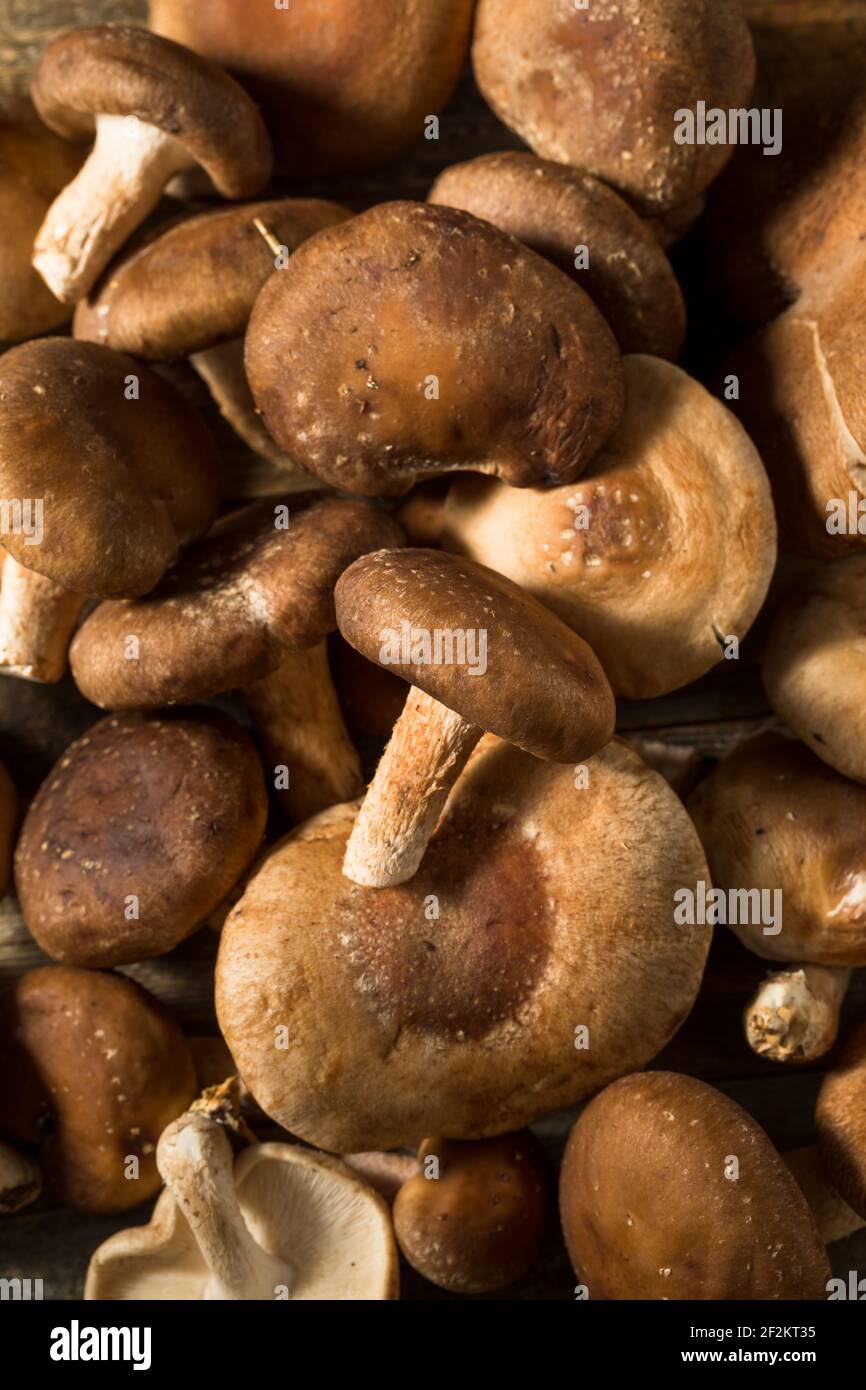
column 119, row 70
column 540, row 686
column 840, row 1116
column 653, row 1207
column 415, row 340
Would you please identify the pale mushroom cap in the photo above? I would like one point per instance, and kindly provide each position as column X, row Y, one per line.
column 119, row 70
column 772, row 816
column 661, row 550
column 653, row 1208
column 416, row 340
column 815, row 665
column 307, row 1207
column 840, row 1116
column 465, row 1023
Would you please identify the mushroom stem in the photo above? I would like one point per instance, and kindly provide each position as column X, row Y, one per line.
column 794, row 1016
column 297, row 715
column 119, row 184
column 425, row 756
column 195, row 1160
column 37, row 619
column 833, row 1216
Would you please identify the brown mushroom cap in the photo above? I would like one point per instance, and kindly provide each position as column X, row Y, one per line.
column 166, row 810
column 344, row 84
column 344, row 343
column 233, row 608
column 772, row 816
column 554, row 210
column 554, row 911
column 124, row 482
column 479, row 1224
column 599, row 87
column 815, row 665
column 193, row 286
column 673, row 552
column 119, row 70
column 649, row 1210
column 840, row 1116
column 100, row 1069
column 542, row 689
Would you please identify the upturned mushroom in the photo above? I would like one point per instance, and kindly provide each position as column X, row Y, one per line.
column 20, row 1179
column 247, row 609
column 156, row 109
column 584, row 228
column 144, row 826
column 188, row 292
column 108, row 472
column 604, row 87
column 815, row 662
column 329, row 111
column 840, row 1117
column 277, row 1222
column 417, row 340
column 100, row 1069
column 660, row 555
column 481, row 656
column 669, row 1190
column 495, row 987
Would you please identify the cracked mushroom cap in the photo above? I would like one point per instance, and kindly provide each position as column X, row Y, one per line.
column 416, row 340
column 164, row 812
column 815, row 665
column 193, row 286
column 229, row 613
column 599, row 87
column 661, row 550
column 465, row 1021
column 556, row 210
column 119, row 70
column 540, row 686
column 101, row 1068
column 772, row 816
column 653, row 1208
column 124, row 482
column 840, row 1117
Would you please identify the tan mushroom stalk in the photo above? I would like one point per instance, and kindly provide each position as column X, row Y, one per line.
column 156, row 110
column 834, row 1218
column 794, row 1014
column 108, row 472
column 669, row 1190
column 241, row 612
column 840, row 1117
column 522, row 675
column 414, row 340
column 20, row 1179
column 584, row 228
column 277, row 1223
column 188, row 292
column 660, row 555
column 496, row 986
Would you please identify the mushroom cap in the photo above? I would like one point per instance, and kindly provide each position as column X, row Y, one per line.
column 120, row 70
column 343, row 84
column 308, row 1207
column 168, row 809
column 100, row 1069
column 124, row 482
column 34, row 166
column 20, row 1179
column 466, row 1023
column 649, row 1212
column 599, row 88
column 236, row 604
column 771, row 816
column 674, row 551
column 8, row 827
column 542, row 687
column 193, row 286
column 815, row 665
column 479, row 1224
column 554, row 210
column 840, row 1117
column 344, row 345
